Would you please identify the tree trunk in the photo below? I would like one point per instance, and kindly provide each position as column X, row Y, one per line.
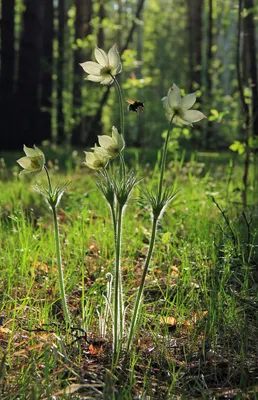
column 62, row 18
column 252, row 61
column 101, row 15
column 82, row 30
column 7, row 71
column 28, row 84
column 209, row 129
column 195, row 41
column 45, row 130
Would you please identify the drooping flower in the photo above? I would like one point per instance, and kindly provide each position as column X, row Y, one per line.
column 34, row 161
column 111, row 145
column 106, row 67
column 95, row 161
column 174, row 104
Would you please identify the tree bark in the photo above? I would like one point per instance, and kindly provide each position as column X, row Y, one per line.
column 28, row 84
column 195, row 41
column 45, row 131
column 62, row 19
column 7, row 71
column 251, row 69
column 82, row 30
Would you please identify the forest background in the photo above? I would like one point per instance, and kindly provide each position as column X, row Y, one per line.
column 204, row 45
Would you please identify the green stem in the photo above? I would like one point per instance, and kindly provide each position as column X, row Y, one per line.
column 60, row 269
column 123, row 166
column 118, row 301
column 49, row 180
column 121, row 109
column 140, row 291
column 163, row 160
column 58, row 253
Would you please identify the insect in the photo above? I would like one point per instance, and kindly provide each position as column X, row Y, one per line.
column 135, row 105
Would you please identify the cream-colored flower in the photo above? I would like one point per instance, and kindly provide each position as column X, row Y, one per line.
column 111, row 145
column 174, row 104
column 95, row 161
column 34, row 161
column 106, row 67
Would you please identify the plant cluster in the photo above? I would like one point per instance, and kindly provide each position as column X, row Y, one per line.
column 116, row 186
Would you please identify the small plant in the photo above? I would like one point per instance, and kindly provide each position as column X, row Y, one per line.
column 33, row 163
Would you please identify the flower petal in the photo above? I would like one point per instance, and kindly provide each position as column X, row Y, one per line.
column 178, row 120
column 30, row 152
column 91, row 67
column 106, row 141
column 193, row 116
column 107, row 81
column 113, row 57
column 118, row 69
column 188, row 101
column 94, row 78
column 101, row 57
column 174, row 96
column 25, row 162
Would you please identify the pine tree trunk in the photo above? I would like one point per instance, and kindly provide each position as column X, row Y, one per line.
column 28, row 84
column 62, row 17
column 45, row 130
column 7, row 72
column 82, row 30
column 249, row 29
column 195, row 41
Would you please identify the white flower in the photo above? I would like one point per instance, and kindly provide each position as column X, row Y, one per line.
column 34, row 161
column 106, row 67
column 111, row 145
column 175, row 105
column 95, row 161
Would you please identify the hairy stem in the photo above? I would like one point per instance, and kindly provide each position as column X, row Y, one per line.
column 164, row 159
column 140, row 291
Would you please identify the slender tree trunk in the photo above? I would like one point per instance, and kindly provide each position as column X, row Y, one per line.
column 44, row 131
column 101, row 15
column 28, row 83
column 249, row 29
column 7, row 71
column 239, row 68
column 82, row 30
column 62, row 18
column 209, row 128
column 195, row 41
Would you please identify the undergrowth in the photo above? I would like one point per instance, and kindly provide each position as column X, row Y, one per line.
column 197, row 335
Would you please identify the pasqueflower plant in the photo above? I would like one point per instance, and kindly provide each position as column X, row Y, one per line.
column 116, row 190
column 34, row 163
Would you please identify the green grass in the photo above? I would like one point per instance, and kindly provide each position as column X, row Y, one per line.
column 198, row 324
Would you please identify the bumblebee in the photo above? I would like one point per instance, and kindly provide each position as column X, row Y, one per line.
column 135, row 105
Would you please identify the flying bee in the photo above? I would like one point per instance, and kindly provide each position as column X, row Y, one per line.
column 135, row 105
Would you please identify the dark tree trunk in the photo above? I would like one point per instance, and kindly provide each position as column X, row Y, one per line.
column 101, row 15
column 82, row 30
column 7, row 71
column 195, row 41
column 251, row 60
column 28, row 84
column 62, row 17
column 44, row 131
column 209, row 130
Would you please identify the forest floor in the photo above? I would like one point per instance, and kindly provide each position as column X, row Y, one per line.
column 197, row 336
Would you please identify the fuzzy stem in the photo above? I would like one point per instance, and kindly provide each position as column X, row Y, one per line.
column 49, row 180
column 58, row 256
column 163, row 159
column 121, row 109
column 140, row 291
column 60, row 270
column 118, row 300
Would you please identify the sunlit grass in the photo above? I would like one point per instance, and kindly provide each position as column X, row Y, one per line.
column 198, row 323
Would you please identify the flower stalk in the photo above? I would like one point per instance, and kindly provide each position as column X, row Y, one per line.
column 53, row 200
